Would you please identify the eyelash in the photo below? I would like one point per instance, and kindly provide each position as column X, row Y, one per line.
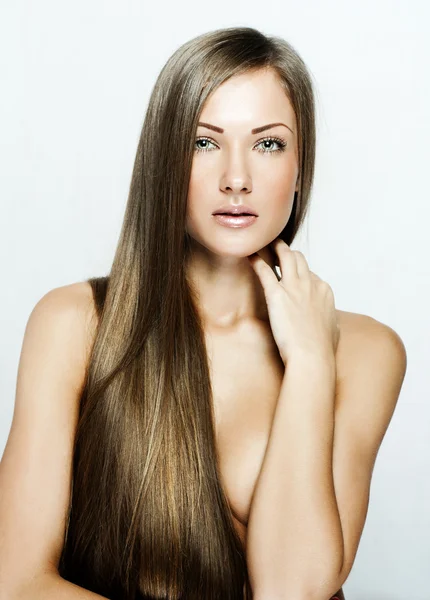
column 282, row 144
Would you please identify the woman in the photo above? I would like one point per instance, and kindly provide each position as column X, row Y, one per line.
column 224, row 443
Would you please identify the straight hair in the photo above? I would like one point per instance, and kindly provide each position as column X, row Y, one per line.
column 148, row 516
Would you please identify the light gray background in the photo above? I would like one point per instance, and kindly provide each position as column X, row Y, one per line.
column 76, row 78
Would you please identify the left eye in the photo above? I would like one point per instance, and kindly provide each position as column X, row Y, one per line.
column 281, row 144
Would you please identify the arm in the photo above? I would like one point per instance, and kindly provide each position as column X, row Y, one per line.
column 294, row 540
column 50, row 586
column 36, row 466
column 311, row 498
column 372, row 363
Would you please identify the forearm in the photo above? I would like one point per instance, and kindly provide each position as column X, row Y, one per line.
column 294, row 538
column 51, row 586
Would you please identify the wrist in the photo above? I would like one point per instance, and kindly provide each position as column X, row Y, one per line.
column 315, row 358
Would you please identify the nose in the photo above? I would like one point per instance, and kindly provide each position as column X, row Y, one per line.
column 236, row 177
column 236, row 184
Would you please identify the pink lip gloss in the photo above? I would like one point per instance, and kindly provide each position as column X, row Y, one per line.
column 235, row 221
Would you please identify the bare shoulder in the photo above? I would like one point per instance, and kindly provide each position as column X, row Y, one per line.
column 76, row 296
column 362, row 336
column 71, row 307
column 36, row 466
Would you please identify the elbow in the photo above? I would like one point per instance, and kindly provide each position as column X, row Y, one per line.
column 287, row 594
column 29, row 589
column 8, row 589
column 13, row 592
column 321, row 592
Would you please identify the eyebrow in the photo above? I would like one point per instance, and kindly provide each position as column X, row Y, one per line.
column 253, row 131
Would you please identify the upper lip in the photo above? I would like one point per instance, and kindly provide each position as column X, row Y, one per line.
column 235, row 210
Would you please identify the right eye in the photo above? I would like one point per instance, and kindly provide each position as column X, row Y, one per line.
column 203, row 139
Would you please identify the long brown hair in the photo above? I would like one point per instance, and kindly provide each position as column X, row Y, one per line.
column 149, row 517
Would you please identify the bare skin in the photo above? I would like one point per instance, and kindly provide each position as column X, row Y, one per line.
column 246, row 374
column 233, row 171
column 246, row 368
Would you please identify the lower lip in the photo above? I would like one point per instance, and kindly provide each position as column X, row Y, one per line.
column 230, row 221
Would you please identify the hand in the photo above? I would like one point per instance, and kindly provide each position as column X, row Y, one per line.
column 300, row 305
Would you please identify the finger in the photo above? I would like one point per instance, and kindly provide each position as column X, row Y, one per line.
column 302, row 265
column 265, row 273
column 314, row 276
column 287, row 261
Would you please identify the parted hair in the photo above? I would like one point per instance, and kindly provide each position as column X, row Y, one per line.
column 148, row 515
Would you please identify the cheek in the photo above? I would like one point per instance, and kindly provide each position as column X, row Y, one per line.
column 279, row 190
column 195, row 187
column 198, row 203
column 199, row 184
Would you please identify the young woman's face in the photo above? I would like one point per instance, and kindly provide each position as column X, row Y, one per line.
column 238, row 167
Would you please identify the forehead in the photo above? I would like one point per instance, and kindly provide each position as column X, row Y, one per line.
column 245, row 99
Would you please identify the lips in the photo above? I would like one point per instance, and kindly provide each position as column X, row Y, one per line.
column 235, row 221
column 235, row 211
